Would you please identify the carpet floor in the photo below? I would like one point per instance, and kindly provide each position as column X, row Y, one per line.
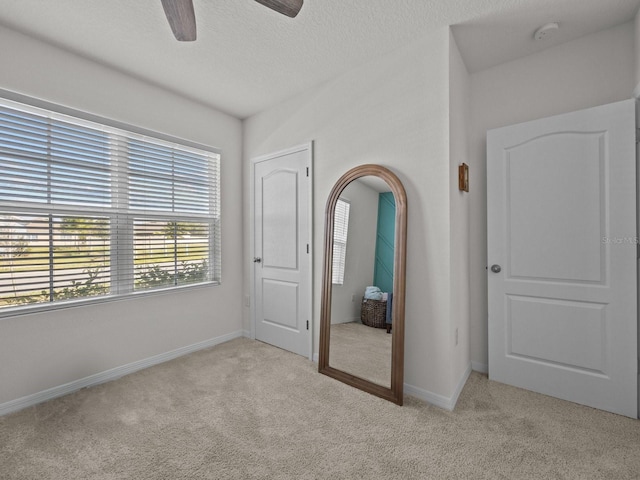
column 246, row 410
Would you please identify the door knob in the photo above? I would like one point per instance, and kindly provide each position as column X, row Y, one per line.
column 496, row 268
column 257, row 259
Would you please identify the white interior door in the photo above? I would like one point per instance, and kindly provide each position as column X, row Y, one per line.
column 282, row 256
column 562, row 244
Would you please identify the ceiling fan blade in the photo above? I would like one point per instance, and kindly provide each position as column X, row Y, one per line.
column 290, row 8
column 182, row 19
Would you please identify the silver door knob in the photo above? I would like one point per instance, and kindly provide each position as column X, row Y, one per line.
column 257, row 259
column 496, row 268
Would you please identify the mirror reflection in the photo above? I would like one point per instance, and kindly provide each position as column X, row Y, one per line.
column 362, row 280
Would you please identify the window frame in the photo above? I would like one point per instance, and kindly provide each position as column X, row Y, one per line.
column 120, row 291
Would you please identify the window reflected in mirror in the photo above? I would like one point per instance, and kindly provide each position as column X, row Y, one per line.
column 340, row 234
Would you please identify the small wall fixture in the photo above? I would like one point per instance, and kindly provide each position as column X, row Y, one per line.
column 463, row 177
column 546, row 31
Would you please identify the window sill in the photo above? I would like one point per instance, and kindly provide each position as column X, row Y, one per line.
column 85, row 302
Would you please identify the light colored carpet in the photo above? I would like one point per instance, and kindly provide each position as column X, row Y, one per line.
column 362, row 351
column 245, row 410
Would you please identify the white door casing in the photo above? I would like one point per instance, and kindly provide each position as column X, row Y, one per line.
column 561, row 219
column 282, row 268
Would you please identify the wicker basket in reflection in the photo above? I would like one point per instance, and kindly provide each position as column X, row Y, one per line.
column 374, row 313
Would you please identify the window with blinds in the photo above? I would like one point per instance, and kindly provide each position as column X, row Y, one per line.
column 89, row 210
column 340, row 232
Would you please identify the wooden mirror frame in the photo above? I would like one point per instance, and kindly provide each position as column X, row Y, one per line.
column 395, row 393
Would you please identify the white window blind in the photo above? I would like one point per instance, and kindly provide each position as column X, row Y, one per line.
column 91, row 210
column 340, row 232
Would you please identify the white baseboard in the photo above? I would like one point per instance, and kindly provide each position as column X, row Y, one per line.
column 247, row 334
column 109, row 375
column 447, row 403
column 460, row 386
column 480, row 367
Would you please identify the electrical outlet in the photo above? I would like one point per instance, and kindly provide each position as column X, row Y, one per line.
column 247, row 301
column 456, row 336
column 353, row 298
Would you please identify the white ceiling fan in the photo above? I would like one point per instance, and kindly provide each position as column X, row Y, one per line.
column 182, row 18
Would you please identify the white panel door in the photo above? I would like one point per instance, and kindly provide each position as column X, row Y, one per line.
column 562, row 250
column 282, row 259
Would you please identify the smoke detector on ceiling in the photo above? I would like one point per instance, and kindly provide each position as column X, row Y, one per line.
column 546, row 31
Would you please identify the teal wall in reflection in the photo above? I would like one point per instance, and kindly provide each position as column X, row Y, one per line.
column 385, row 238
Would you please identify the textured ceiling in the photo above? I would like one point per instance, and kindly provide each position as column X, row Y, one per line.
column 248, row 58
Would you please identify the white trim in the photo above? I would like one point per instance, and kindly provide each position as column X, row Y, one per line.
column 315, row 357
column 636, row 91
column 252, row 249
column 109, row 375
column 429, row 397
column 461, row 383
column 480, row 367
column 280, row 153
column 308, row 147
column 83, row 302
column 447, row 403
column 247, row 334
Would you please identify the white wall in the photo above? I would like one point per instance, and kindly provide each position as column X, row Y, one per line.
column 405, row 110
column 459, row 113
column 392, row 111
column 636, row 26
column 592, row 70
column 360, row 255
column 41, row 351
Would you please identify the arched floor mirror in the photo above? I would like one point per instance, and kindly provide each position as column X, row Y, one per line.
column 363, row 288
